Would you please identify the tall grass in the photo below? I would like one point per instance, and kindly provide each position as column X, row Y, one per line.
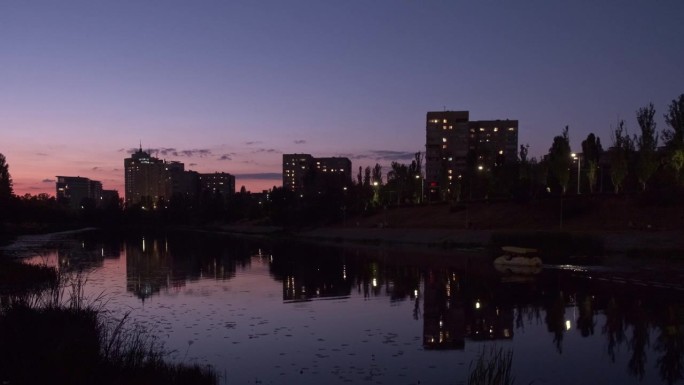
column 58, row 335
column 492, row 367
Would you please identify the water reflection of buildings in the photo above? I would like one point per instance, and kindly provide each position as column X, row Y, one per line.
column 149, row 268
column 87, row 253
column 306, row 278
column 454, row 311
column 443, row 313
column 154, row 264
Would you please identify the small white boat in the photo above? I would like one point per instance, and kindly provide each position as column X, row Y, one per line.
column 518, row 256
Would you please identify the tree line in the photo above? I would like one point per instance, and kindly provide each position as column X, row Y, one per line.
column 631, row 163
column 647, row 160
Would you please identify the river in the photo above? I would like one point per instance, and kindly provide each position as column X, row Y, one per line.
column 282, row 312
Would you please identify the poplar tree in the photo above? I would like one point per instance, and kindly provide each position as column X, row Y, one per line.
column 6, row 191
column 559, row 159
column 647, row 143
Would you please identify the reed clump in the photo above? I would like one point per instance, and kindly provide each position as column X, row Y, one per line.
column 58, row 336
column 492, row 367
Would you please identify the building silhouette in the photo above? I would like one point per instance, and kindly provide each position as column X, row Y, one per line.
column 145, row 179
column 78, row 192
column 151, row 181
column 218, row 182
column 456, row 145
column 303, row 171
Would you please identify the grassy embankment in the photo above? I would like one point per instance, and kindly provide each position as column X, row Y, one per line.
column 49, row 334
column 584, row 225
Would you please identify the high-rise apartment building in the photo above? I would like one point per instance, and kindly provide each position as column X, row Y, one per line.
column 301, row 171
column 76, row 191
column 145, row 179
column 454, row 144
column 295, row 168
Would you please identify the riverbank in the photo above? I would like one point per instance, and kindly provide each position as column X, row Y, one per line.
column 663, row 243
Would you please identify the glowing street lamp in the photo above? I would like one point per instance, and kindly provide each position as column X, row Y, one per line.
column 422, row 185
column 579, row 163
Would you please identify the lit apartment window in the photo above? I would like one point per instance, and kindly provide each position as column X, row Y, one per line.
column 443, row 127
column 511, row 129
column 444, row 146
column 444, row 121
column 500, row 152
column 481, row 128
column 443, row 140
column 450, row 159
column 496, row 129
column 451, row 171
column 451, row 127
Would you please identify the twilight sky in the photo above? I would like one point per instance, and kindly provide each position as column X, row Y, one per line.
column 231, row 85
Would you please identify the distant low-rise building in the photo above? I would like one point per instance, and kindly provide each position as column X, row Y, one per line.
column 218, row 182
column 110, row 198
column 78, row 192
column 301, row 171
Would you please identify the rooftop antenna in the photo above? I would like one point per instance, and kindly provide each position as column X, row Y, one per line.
column 444, row 108
column 141, row 145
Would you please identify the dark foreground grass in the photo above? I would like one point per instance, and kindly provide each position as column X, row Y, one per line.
column 53, row 338
column 492, row 367
column 18, row 278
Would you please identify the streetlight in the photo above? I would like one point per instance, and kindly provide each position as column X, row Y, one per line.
column 579, row 167
column 422, row 184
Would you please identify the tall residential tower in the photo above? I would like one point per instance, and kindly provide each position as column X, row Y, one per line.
column 455, row 145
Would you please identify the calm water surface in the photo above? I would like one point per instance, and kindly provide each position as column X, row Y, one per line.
column 279, row 313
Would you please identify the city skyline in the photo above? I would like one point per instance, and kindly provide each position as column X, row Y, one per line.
column 232, row 87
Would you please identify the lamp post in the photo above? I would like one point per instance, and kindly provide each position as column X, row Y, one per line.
column 579, row 167
column 422, row 186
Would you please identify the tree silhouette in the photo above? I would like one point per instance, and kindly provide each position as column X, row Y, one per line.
column 6, row 191
column 618, row 156
column 591, row 151
column 559, row 159
column 674, row 136
column 647, row 144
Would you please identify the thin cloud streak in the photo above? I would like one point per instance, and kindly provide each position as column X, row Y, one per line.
column 170, row 151
column 260, row 176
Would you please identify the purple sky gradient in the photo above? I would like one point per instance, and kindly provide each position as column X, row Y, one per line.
column 82, row 82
